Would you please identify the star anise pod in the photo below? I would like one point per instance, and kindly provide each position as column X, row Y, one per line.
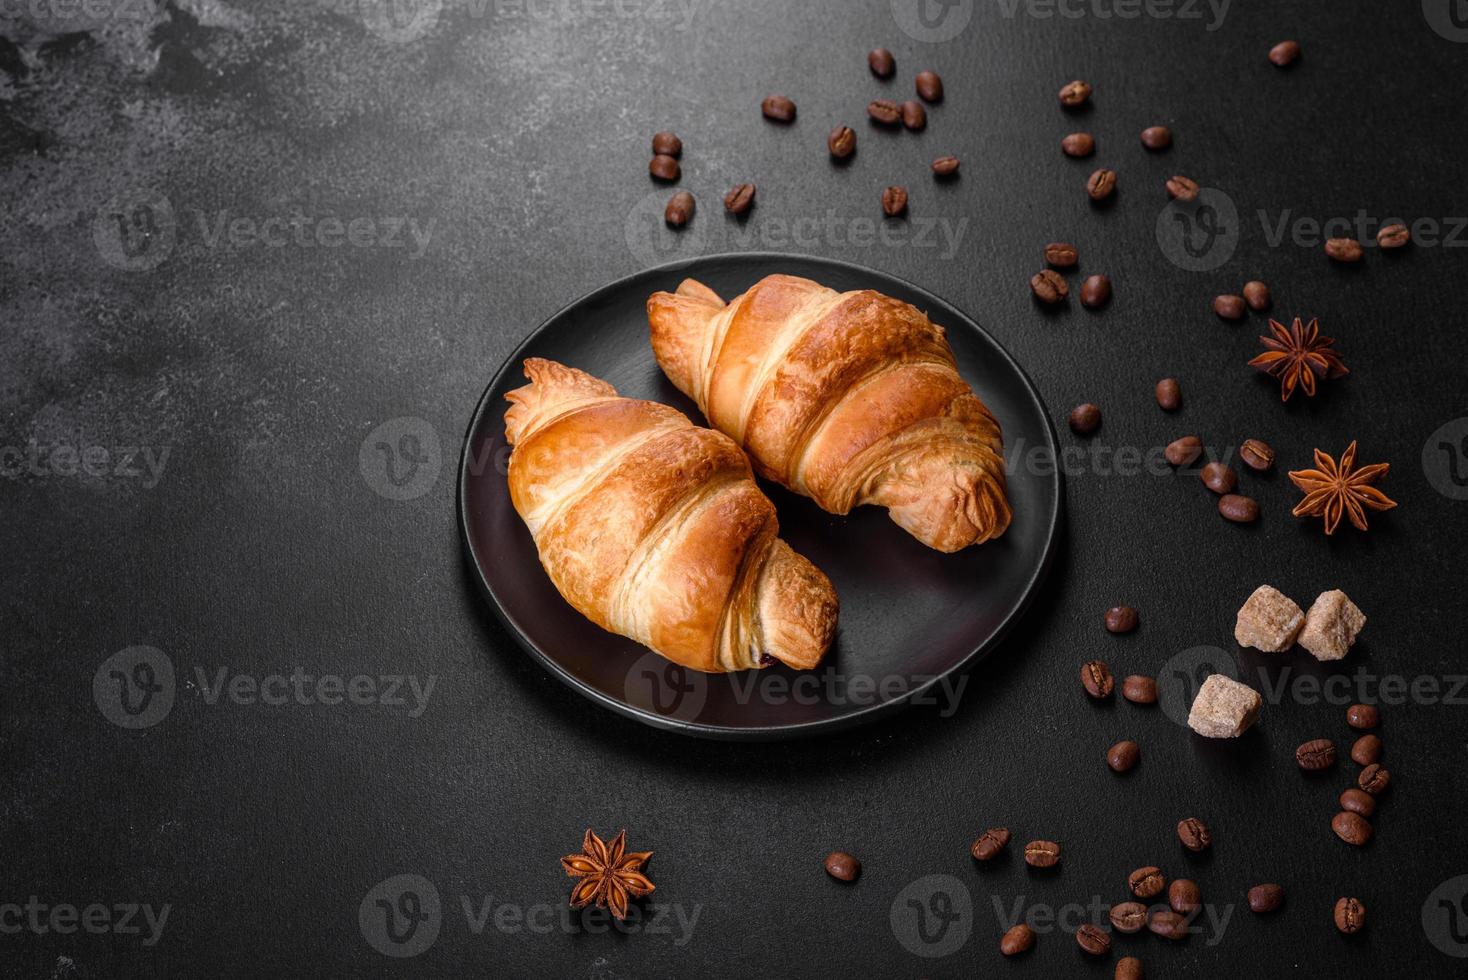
column 1298, row 356
column 609, row 876
column 1332, row 490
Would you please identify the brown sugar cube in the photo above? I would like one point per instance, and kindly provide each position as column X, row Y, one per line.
column 1269, row 621
column 1331, row 626
column 1224, row 708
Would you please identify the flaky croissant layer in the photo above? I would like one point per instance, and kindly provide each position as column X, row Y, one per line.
column 654, row 528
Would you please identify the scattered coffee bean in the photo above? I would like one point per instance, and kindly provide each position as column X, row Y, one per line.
column 1374, row 779
column 1265, row 898
column 1074, row 94
column 1256, row 294
column 894, row 201
column 1346, row 250
column 680, row 209
column 1229, row 307
column 884, row 111
column 1049, row 287
column 1168, row 925
column 1128, row 917
column 1169, row 394
column 1156, row 137
column 1315, row 755
column 841, row 142
column 914, row 116
column 1182, row 189
column 1367, row 750
column 667, row 144
column 1393, row 236
column 1257, row 454
column 664, row 167
column 1123, row 756
column 1181, row 452
column 1093, row 940
column 1284, row 53
column 1358, row 801
column 1184, row 896
column 842, row 866
column 1095, row 292
column 1062, row 255
column 777, row 108
column 1220, row 478
column 740, row 199
column 1139, row 690
column 1078, row 145
column 1121, row 619
column 946, row 166
column 1042, row 854
column 881, row 62
column 1363, row 716
column 1194, row 834
column 1085, row 419
column 1146, row 882
column 1020, row 939
column 1128, row 968
column 990, row 844
column 1352, row 828
column 929, row 86
column 1101, row 185
column 1350, row 915
column 1238, row 508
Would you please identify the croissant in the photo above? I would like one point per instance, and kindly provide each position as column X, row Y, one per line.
column 847, row 398
column 654, row 528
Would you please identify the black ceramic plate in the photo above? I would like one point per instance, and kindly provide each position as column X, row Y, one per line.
column 910, row 617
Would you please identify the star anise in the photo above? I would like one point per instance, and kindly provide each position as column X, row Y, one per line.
column 1332, row 490
column 609, row 875
column 1298, row 356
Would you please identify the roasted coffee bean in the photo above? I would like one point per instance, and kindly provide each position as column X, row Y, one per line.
column 1346, row 250
column 1352, row 828
column 1062, row 255
column 1128, row 917
column 1085, row 419
column 1358, row 801
column 1229, row 307
column 1194, row 834
column 1256, row 294
column 1020, row 939
column 1181, row 452
column 1350, row 915
column 667, row 144
column 1121, row 619
column 1363, row 716
column 1168, row 925
column 1182, row 189
column 777, row 108
column 894, row 201
column 1078, row 145
column 1146, row 882
column 884, row 111
column 1093, row 940
column 1074, row 94
column 842, row 866
column 990, row 844
column 1393, row 236
column 1265, row 898
column 740, row 199
column 1128, row 968
column 1095, row 292
column 1101, row 185
column 1238, row 508
column 1169, row 394
column 841, row 142
column 1156, row 137
column 1184, row 896
column 1220, row 478
column 1049, row 287
column 680, row 209
column 929, row 86
column 1316, row 754
column 1367, row 750
column 1284, row 53
column 1374, row 779
column 1042, row 854
column 946, row 166
column 1139, row 690
column 914, row 116
column 1123, row 756
column 881, row 62
column 664, row 167
column 1257, row 454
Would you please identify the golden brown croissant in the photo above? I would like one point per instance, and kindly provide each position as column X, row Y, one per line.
column 654, row 528
column 848, row 398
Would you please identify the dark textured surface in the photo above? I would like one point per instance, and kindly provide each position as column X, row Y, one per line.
column 515, row 137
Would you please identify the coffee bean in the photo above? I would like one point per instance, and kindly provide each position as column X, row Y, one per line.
column 945, row 166
column 1156, row 137
column 914, row 116
column 1042, row 854
column 1350, row 915
column 1101, row 185
column 884, row 111
column 1346, row 250
column 1020, row 939
column 1048, row 287
column 841, row 142
column 1363, row 716
column 1182, row 189
column 1257, row 455
column 929, row 86
column 680, row 209
column 1393, row 236
column 881, row 62
column 1121, row 619
column 1256, row 294
column 1078, row 145
column 740, row 199
column 894, row 201
column 990, row 844
column 1184, row 896
column 1374, row 779
column 777, row 108
column 1169, row 394
column 1128, row 968
column 1265, row 898
column 1315, row 755
column 1229, row 307
column 1284, row 53
column 1085, row 419
column 1146, row 882
column 1220, row 478
column 1238, row 508
column 1128, row 917
column 1168, row 925
column 1194, row 834
column 1181, row 452
column 1352, row 828
column 1074, row 94
column 1139, row 690
column 667, row 144
column 1062, row 255
column 842, row 866
column 664, row 167
column 1366, row 751
column 1123, row 756
column 1095, row 292
column 1358, row 801
column 1093, row 940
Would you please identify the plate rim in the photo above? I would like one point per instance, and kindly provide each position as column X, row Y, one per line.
column 867, row 713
